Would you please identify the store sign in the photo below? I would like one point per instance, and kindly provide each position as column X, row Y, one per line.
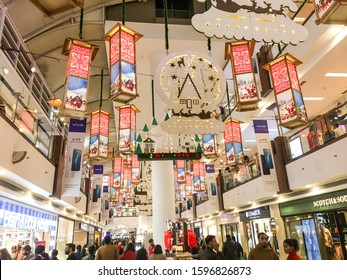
column 19, row 217
column 325, row 202
column 84, row 226
column 259, row 213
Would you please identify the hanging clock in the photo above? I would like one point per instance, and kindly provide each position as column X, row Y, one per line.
column 192, row 85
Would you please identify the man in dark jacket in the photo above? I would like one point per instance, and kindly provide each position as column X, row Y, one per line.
column 239, row 248
column 209, row 253
column 229, row 249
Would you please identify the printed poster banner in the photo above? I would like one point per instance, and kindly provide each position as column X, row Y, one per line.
column 105, row 203
column 265, row 155
column 97, row 183
column 74, row 157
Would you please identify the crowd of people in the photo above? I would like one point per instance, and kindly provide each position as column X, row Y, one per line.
column 122, row 250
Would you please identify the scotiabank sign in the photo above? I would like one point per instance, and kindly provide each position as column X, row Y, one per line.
column 17, row 216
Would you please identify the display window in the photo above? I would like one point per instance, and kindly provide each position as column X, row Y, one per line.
column 24, row 225
column 321, row 236
column 64, row 236
column 232, row 230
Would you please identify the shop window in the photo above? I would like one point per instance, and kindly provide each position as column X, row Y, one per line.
column 176, row 8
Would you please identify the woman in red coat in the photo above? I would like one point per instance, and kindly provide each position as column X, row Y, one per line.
column 129, row 253
column 291, row 246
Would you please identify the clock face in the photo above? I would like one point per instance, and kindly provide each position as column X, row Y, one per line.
column 192, row 86
column 190, row 82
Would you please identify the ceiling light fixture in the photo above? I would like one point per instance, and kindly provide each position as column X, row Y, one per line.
column 33, row 69
column 336, row 75
column 5, row 70
column 250, row 141
column 313, row 98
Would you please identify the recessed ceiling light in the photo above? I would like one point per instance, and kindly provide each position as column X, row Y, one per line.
column 33, row 69
column 313, row 98
column 250, row 140
column 247, row 150
column 5, row 70
column 299, row 19
column 339, row 75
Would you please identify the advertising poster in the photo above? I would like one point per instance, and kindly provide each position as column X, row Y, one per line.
column 265, row 155
column 97, row 188
column 74, row 158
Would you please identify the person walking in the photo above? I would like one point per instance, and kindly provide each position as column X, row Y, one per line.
column 151, row 247
column 54, row 255
column 91, row 254
column 262, row 251
column 142, row 254
column 108, row 251
column 157, row 254
column 229, row 249
column 239, row 250
column 70, row 251
column 291, row 246
column 209, row 253
column 129, row 253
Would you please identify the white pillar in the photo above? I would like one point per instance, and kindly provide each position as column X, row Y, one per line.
column 163, row 198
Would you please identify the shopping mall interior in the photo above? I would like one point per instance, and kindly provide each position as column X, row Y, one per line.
column 158, row 119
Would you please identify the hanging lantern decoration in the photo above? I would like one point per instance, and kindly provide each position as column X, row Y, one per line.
column 181, row 171
column 199, row 176
column 126, row 180
column 331, row 11
column 246, row 92
column 111, row 181
column 127, row 128
column 99, row 130
column 189, row 186
column 210, row 145
column 77, row 74
column 117, row 172
column 122, row 62
column 290, row 103
column 135, row 177
column 233, row 142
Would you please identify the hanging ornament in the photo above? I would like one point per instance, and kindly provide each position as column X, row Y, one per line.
column 331, row 11
column 135, row 172
column 233, row 142
column 210, row 145
column 290, row 103
column 117, row 172
column 99, row 130
column 181, row 171
column 189, row 186
column 199, row 176
column 127, row 128
column 77, row 74
column 122, row 62
column 246, row 92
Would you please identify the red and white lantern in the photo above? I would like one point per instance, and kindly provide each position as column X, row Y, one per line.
column 118, row 173
column 290, row 103
column 135, row 177
column 246, row 92
column 233, row 142
column 181, row 171
column 199, row 176
column 77, row 74
column 122, row 62
column 99, row 130
column 127, row 128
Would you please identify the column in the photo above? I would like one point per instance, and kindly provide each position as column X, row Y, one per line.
column 163, row 198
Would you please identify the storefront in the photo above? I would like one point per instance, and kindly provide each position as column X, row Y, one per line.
column 81, row 233
column 255, row 221
column 319, row 224
column 21, row 224
column 97, row 235
column 64, row 235
column 229, row 224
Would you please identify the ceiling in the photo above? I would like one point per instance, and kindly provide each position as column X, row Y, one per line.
column 44, row 28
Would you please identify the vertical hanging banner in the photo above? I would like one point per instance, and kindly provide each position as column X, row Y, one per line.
column 118, row 172
column 233, row 142
column 127, row 128
column 181, row 171
column 77, row 74
column 290, row 103
column 246, row 92
column 105, row 203
column 99, row 130
column 265, row 155
column 97, row 183
column 199, row 176
column 135, row 170
column 74, row 157
column 122, row 62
